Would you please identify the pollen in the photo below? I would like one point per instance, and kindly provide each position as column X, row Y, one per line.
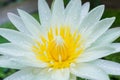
column 60, row 49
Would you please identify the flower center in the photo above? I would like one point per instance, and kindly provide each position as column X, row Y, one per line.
column 60, row 48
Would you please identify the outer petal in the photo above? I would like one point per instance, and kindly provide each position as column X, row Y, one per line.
column 30, row 23
column 44, row 12
column 116, row 46
column 46, row 74
column 84, row 10
column 91, row 19
column 95, row 53
column 38, row 74
column 29, row 61
column 108, row 37
column 17, row 21
column 23, row 61
column 62, row 74
column 72, row 13
column 108, row 66
column 96, row 31
column 88, row 71
column 73, row 77
column 17, row 38
column 14, row 50
column 6, row 62
column 22, row 75
column 57, row 13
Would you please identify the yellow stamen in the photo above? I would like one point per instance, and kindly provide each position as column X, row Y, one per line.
column 60, row 49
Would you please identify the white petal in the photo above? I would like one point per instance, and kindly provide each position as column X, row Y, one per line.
column 44, row 74
column 21, row 75
column 108, row 37
column 58, row 13
column 72, row 13
column 91, row 19
column 17, row 38
column 6, row 62
column 29, row 61
column 84, row 10
column 47, row 74
column 30, row 23
column 62, row 74
column 14, row 50
column 89, row 71
column 16, row 20
column 108, row 66
column 96, row 31
column 116, row 46
column 73, row 77
column 95, row 53
column 44, row 12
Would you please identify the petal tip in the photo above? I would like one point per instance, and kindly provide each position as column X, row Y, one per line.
column 20, row 10
column 87, row 3
column 112, row 19
column 9, row 14
column 101, row 7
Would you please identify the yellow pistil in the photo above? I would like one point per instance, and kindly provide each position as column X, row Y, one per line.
column 60, row 49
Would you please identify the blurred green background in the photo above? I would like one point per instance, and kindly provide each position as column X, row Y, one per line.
column 109, row 12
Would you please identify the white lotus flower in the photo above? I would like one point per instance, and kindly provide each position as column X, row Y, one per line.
column 69, row 42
